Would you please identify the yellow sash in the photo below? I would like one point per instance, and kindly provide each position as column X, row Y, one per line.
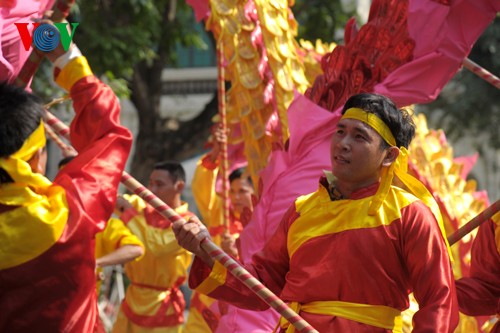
column 38, row 222
column 374, row 315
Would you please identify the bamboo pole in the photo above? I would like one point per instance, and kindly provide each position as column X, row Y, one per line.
column 224, row 165
column 481, row 72
column 482, row 217
column 213, row 250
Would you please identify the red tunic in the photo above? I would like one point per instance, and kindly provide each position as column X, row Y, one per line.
column 327, row 250
column 55, row 292
column 479, row 294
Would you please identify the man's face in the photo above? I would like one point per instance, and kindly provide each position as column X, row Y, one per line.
column 240, row 193
column 356, row 154
column 161, row 184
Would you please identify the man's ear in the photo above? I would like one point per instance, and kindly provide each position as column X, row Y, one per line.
column 35, row 162
column 179, row 186
column 392, row 154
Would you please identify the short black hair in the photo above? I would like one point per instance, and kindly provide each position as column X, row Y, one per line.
column 21, row 114
column 400, row 122
column 237, row 174
column 175, row 170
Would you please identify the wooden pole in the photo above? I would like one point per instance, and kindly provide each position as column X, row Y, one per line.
column 481, row 72
column 213, row 250
column 224, row 165
column 482, row 217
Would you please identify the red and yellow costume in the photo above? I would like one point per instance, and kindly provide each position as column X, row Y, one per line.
column 154, row 302
column 347, row 271
column 112, row 238
column 47, row 263
column 479, row 294
column 204, row 311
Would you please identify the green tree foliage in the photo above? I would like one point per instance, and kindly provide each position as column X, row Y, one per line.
column 134, row 40
column 321, row 19
column 119, row 34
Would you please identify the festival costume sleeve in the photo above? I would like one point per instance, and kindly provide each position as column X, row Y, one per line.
column 479, row 294
column 203, row 185
column 116, row 235
column 208, row 202
column 430, row 271
column 269, row 266
column 93, row 176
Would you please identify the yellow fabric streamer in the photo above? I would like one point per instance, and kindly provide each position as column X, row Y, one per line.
column 399, row 168
column 41, row 213
column 374, row 315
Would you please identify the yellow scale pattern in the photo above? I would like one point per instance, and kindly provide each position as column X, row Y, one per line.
column 290, row 67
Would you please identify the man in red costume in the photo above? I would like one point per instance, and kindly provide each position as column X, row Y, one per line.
column 479, row 294
column 47, row 229
column 347, row 255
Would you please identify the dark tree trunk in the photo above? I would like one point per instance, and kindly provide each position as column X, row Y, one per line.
column 156, row 142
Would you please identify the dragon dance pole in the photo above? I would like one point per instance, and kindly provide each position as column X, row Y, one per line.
column 213, row 250
column 66, row 149
column 60, row 12
column 224, row 166
column 474, row 223
column 481, row 72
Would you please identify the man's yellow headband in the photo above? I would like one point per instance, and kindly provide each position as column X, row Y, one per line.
column 371, row 119
column 34, row 142
column 16, row 164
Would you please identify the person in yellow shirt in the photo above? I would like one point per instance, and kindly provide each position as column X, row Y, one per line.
column 153, row 301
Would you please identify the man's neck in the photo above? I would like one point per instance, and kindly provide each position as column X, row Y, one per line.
column 176, row 203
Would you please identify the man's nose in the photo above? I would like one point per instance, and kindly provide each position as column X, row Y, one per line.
column 345, row 143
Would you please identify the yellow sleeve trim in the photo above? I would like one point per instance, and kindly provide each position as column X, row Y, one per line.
column 216, row 279
column 75, row 70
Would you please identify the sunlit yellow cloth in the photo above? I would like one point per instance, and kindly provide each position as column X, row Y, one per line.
column 38, row 222
column 207, row 201
column 398, row 168
column 114, row 236
column 74, row 70
column 374, row 315
column 150, row 296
